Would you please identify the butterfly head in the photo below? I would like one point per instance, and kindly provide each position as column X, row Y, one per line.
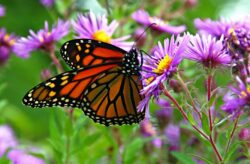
column 130, row 63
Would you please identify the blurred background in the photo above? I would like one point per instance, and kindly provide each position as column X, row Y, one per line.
column 48, row 129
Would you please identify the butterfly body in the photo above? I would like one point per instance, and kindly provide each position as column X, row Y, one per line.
column 104, row 83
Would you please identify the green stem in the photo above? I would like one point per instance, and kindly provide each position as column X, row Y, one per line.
column 209, row 88
column 68, row 138
column 184, row 86
column 232, row 134
column 55, row 60
column 211, row 140
column 165, row 91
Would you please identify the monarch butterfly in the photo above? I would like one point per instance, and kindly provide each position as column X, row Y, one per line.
column 104, row 83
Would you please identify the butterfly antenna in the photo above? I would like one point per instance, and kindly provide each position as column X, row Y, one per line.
column 137, row 39
column 143, row 52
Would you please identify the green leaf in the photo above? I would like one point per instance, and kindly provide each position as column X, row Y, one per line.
column 2, row 104
column 183, row 157
column 57, row 145
column 62, row 5
column 131, row 150
column 191, row 118
column 211, row 101
column 202, row 158
column 85, row 143
column 68, row 127
column 54, row 129
column 205, row 123
column 5, row 160
column 231, row 151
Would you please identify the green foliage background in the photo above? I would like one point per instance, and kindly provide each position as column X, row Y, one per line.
column 48, row 128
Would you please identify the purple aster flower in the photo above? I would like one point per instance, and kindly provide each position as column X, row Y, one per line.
column 214, row 28
column 147, row 130
column 6, row 45
column 22, row 157
column 244, row 134
column 172, row 133
column 47, row 3
column 236, row 100
column 2, row 10
column 240, row 39
column 220, row 27
column 142, row 17
column 97, row 28
column 43, row 39
column 7, row 139
column 163, row 63
column 208, row 51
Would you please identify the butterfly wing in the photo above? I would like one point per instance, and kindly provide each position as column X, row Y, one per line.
column 66, row 89
column 113, row 99
column 79, row 53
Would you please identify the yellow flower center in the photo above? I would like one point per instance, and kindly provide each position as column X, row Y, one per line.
column 231, row 31
column 244, row 93
column 163, row 64
column 41, row 38
column 101, row 35
column 6, row 39
column 149, row 80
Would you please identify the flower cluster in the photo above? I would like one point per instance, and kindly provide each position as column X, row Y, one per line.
column 237, row 98
column 6, row 45
column 44, row 39
column 97, row 28
column 219, row 43
column 47, row 3
column 208, row 51
column 10, row 146
column 2, row 10
column 142, row 17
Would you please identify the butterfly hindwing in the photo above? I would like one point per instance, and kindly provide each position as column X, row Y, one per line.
column 113, row 99
column 80, row 53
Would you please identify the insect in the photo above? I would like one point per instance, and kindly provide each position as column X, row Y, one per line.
column 104, row 82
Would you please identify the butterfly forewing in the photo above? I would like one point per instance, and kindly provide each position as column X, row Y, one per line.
column 81, row 53
column 65, row 89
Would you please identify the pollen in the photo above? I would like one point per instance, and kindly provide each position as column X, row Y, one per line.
column 164, row 64
column 244, row 94
column 6, row 37
column 101, row 35
column 149, row 80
